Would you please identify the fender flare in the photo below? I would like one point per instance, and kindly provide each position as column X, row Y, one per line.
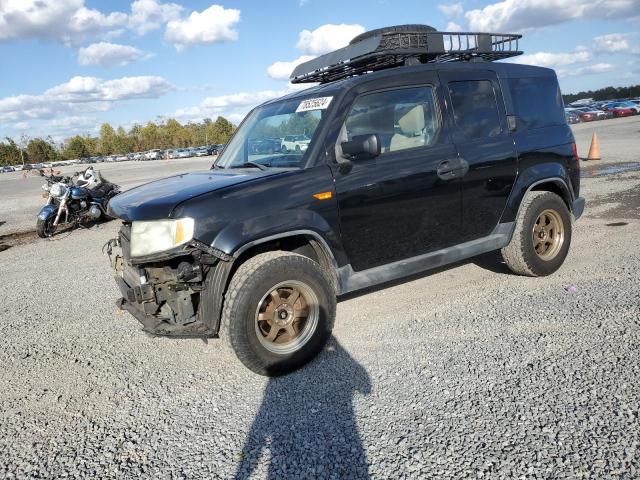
column 530, row 178
column 47, row 212
column 210, row 310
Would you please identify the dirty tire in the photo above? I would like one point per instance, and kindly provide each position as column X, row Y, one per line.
column 520, row 255
column 250, row 283
column 45, row 228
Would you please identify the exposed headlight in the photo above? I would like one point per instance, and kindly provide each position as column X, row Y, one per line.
column 58, row 190
column 159, row 235
column 45, row 187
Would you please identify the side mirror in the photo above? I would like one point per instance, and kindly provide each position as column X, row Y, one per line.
column 362, row 146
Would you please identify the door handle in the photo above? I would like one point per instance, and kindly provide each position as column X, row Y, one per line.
column 452, row 168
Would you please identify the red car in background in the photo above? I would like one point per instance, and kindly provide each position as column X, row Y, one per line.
column 586, row 116
column 622, row 111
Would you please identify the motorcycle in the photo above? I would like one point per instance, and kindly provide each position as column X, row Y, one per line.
column 73, row 200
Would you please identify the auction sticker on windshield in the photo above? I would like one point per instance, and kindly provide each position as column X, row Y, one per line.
column 320, row 103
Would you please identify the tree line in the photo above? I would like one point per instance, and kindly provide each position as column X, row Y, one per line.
column 607, row 93
column 164, row 135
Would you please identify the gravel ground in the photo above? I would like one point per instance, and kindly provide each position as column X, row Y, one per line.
column 467, row 372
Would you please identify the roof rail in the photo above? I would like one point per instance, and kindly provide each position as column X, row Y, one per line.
column 405, row 45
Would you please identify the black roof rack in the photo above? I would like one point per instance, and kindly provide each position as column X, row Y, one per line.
column 405, row 45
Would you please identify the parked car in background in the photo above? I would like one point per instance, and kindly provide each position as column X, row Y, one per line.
column 17, row 168
column 202, row 152
column 266, row 145
column 155, row 154
column 7, row 169
column 599, row 114
column 571, row 117
column 216, row 149
column 622, row 111
column 584, row 116
column 630, row 104
column 295, row 143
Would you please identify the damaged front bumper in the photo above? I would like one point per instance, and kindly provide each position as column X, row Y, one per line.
column 173, row 294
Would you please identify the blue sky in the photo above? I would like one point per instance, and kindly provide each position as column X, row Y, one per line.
column 69, row 65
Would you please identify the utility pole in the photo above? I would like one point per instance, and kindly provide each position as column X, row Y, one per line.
column 23, row 143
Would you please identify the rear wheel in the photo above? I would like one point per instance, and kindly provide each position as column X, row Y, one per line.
column 542, row 236
column 279, row 312
column 45, row 228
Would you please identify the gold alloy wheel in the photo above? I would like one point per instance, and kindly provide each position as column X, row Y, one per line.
column 287, row 317
column 548, row 234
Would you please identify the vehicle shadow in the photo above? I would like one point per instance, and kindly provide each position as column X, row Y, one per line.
column 491, row 261
column 307, row 422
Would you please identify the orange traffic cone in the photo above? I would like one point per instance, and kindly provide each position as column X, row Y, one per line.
column 594, row 149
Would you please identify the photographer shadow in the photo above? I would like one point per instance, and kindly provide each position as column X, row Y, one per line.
column 307, row 422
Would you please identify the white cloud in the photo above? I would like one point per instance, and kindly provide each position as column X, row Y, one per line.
column 613, row 42
column 551, row 60
column 327, row 38
column 452, row 10
column 233, row 106
column 215, row 24
column 108, row 54
column 453, row 27
column 282, row 70
column 522, row 15
column 586, row 70
column 323, row 39
column 72, row 23
column 81, row 95
column 148, row 15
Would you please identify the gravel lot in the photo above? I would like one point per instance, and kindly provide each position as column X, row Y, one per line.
column 468, row 372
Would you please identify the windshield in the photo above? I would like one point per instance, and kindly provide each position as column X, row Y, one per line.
column 274, row 135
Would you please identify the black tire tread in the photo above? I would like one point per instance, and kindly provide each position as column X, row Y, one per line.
column 242, row 281
column 514, row 253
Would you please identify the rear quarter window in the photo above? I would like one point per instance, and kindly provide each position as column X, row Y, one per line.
column 537, row 102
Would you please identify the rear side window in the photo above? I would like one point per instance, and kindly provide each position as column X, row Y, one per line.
column 475, row 109
column 537, row 102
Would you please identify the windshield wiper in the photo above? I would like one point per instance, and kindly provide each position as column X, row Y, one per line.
column 250, row 164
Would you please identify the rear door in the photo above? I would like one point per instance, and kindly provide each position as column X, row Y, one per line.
column 485, row 144
column 400, row 204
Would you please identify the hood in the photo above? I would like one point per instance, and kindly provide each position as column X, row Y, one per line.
column 156, row 200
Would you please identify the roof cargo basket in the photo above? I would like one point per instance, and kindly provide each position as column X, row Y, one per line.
column 405, row 45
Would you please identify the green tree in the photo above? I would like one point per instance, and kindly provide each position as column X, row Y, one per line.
column 76, row 147
column 9, row 152
column 42, row 151
column 107, row 139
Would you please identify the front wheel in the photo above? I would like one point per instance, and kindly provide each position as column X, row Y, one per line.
column 542, row 236
column 279, row 312
column 45, row 228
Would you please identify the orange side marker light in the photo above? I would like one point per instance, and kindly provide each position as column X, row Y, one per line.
column 323, row 195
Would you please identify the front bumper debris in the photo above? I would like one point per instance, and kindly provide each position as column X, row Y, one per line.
column 165, row 295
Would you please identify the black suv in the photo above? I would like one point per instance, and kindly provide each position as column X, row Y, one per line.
column 421, row 152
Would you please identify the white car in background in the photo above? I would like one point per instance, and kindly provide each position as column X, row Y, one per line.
column 295, row 143
column 155, row 154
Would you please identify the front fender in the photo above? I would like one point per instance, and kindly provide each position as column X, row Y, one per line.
column 235, row 236
column 48, row 211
